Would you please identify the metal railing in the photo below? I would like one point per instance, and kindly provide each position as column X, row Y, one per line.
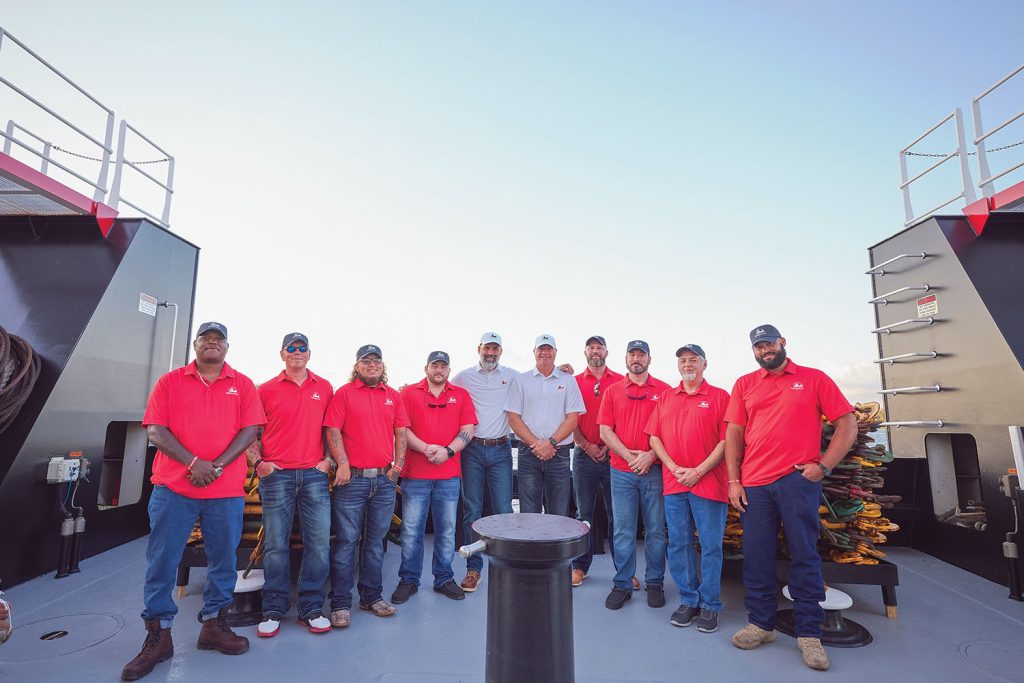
column 887, row 329
column 883, row 299
column 100, row 184
column 111, row 196
column 880, row 268
column 980, row 135
column 914, row 423
column 891, row 360
column 967, row 193
column 167, row 184
column 934, row 388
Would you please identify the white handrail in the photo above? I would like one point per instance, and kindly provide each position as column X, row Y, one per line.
column 120, row 162
column 966, row 193
column 987, row 180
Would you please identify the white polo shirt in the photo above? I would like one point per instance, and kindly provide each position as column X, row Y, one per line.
column 488, row 391
column 543, row 402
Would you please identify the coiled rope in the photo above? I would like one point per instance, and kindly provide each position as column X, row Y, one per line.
column 19, row 370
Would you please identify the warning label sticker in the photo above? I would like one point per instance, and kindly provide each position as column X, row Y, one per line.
column 927, row 306
column 147, row 304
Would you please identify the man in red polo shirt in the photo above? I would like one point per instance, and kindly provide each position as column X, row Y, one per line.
column 201, row 418
column 688, row 434
column 289, row 460
column 636, row 476
column 442, row 423
column 366, row 434
column 773, row 453
column 591, row 473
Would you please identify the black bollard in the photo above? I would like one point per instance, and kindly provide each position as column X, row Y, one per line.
column 529, row 595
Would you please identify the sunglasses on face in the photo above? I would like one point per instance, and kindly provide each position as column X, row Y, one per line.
column 293, row 349
column 371, row 361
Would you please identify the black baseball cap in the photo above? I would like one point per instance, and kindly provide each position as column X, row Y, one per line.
column 692, row 348
column 212, row 327
column 764, row 333
column 596, row 338
column 367, row 350
column 293, row 337
column 638, row 344
column 438, row 356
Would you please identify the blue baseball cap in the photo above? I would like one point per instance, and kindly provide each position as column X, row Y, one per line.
column 638, row 345
column 692, row 348
column 368, row 350
column 438, row 356
column 212, row 327
column 764, row 333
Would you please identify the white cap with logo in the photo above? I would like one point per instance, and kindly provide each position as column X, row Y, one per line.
column 490, row 338
column 545, row 340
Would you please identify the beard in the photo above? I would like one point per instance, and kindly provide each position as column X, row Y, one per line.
column 596, row 362
column 775, row 363
column 689, row 375
column 488, row 365
column 369, row 381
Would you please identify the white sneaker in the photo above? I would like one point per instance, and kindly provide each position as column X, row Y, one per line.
column 268, row 628
column 318, row 624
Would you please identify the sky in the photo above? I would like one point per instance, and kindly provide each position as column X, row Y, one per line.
column 415, row 174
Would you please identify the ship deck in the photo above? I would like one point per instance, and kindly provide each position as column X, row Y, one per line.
column 952, row 626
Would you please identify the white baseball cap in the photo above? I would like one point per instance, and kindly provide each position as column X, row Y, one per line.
column 545, row 340
column 490, row 338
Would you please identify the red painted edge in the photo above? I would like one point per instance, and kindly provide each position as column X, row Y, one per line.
column 58, row 192
column 977, row 214
column 1008, row 197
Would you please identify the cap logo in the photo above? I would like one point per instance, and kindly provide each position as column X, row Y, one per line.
column 232, row 392
column 797, row 386
column 315, row 396
column 758, row 332
column 702, row 404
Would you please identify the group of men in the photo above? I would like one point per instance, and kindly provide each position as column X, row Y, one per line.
column 675, row 457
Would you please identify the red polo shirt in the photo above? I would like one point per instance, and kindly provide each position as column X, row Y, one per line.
column 205, row 418
column 782, row 416
column 436, row 419
column 367, row 417
column 587, row 422
column 293, row 437
column 626, row 407
column 690, row 426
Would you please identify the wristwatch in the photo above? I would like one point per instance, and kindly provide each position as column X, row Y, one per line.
column 451, row 453
column 217, row 471
column 554, row 444
column 825, row 470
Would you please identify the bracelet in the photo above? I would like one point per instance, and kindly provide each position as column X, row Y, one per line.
column 194, row 458
column 734, row 481
column 259, row 461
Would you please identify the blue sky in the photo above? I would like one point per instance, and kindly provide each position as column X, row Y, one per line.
column 413, row 174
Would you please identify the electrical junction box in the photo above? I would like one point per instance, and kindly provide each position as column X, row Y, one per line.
column 61, row 469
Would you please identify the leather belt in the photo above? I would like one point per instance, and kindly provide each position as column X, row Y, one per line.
column 369, row 472
column 491, row 442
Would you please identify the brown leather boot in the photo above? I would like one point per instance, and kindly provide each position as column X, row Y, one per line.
column 217, row 635
column 157, row 648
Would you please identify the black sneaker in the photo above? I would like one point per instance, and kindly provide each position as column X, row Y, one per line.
column 403, row 592
column 684, row 615
column 707, row 621
column 451, row 590
column 655, row 596
column 617, row 598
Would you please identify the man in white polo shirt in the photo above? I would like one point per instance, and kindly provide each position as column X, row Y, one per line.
column 543, row 406
column 487, row 459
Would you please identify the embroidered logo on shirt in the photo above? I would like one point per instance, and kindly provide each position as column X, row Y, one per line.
column 703, row 404
column 560, row 387
column 452, row 400
column 315, row 396
column 504, row 381
column 654, row 397
column 389, row 402
column 797, row 386
column 232, row 392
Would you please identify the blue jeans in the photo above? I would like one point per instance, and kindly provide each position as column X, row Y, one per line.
column 632, row 493
column 361, row 508
column 489, row 466
column 282, row 492
column 544, row 483
column 441, row 498
column 793, row 500
column 171, row 519
column 683, row 511
column 588, row 477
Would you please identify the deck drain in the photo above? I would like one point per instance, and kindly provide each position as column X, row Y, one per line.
column 1000, row 658
column 58, row 636
column 53, row 635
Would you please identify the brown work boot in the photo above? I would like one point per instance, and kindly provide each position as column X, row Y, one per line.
column 750, row 636
column 157, row 648
column 813, row 653
column 217, row 635
column 471, row 581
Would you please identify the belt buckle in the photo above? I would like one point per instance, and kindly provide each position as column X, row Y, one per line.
column 371, row 473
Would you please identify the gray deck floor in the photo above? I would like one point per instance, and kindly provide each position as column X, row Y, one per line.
column 952, row 626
